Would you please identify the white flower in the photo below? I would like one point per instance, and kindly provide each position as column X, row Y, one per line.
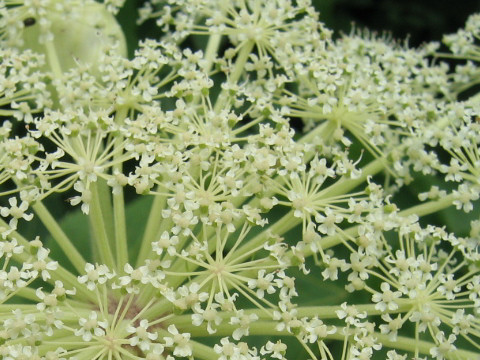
column 142, row 337
column 91, row 326
column 41, row 265
column 210, row 316
column 351, row 315
column 180, row 342
column 95, row 274
column 444, row 346
column 16, row 212
column 263, row 283
column 243, row 322
column 277, row 350
column 9, row 248
column 166, row 242
column 386, row 299
column 449, row 286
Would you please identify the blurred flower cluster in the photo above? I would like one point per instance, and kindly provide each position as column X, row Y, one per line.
column 247, row 186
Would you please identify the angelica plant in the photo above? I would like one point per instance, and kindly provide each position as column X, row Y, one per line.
column 208, row 224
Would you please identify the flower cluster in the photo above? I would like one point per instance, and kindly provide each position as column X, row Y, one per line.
column 207, row 225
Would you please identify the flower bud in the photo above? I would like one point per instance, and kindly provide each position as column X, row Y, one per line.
column 35, row 245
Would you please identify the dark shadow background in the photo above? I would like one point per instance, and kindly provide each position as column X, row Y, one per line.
column 419, row 20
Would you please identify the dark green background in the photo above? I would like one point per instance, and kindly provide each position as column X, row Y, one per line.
column 419, row 20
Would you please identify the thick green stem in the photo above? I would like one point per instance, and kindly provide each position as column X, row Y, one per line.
column 121, row 245
column 424, row 347
column 211, row 50
column 345, row 185
column 99, row 230
column 53, row 60
column 280, row 227
column 201, row 351
column 73, row 255
column 320, row 131
column 26, row 293
column 162, row 306
column 322, row 312
column 235, row 75
column 429, row 207
column 104, row 193
column 267, row 328
column 119, row 220
column 154, row 224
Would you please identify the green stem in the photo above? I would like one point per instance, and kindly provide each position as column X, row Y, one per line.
column 280, row 227
column 329, row 312
column 424, row 347
column 345, row 185
column 238, row 70
column 322, row 312
column 73, row 255
column 99, row 231
column 104, row 194
column 201, row 351
column 267, row 328
column 6, row 309
column 152, row 228
column 5, row 112
column 320, row 131
column 26, row 293
column 120, row 229
column 162, row 306
column 211, row 50
column 429, row 207
column 53, row 60
column 119, row 220
column 241, row 61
